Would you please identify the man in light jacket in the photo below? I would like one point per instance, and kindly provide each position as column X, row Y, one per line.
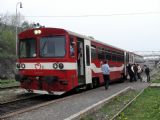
column 106, row 73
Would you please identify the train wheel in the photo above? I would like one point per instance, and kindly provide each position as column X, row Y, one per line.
column 95, row 82
column 122, row 79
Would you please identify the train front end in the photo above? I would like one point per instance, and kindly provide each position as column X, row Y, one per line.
column 43, row 63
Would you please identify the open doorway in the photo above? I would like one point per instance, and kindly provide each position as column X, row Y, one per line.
column 80, row 61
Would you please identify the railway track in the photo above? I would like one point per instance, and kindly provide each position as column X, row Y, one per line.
column 11, row 87
column 9, row 108
column 12, row 108
column 12, row 94
column 20, row 97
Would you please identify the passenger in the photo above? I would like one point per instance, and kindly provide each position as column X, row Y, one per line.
column 106, row 73
column 135, row 70
column 79, row 52
column 130, row 72
column 139, row 72
column 79, row 55
column 147, row 71
column 71, row 49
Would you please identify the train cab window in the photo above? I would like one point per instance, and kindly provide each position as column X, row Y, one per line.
column 27, row 48
column 72, row 47
column 53, row 46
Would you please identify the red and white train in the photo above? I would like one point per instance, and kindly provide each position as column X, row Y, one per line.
column 55, row 61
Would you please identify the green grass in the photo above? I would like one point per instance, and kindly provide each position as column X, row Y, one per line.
column 8, row 83
column 156, row 77
column 111, row 108
column 156, row 81
column 146, row 107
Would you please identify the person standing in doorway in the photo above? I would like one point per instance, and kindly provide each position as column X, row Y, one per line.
column 106, row 73
column 71, row 49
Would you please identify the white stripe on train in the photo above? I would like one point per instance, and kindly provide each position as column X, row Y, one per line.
column 67, row 66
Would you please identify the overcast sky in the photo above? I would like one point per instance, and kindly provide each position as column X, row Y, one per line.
column 133, row 25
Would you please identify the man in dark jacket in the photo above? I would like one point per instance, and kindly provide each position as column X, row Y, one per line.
column 135, row 70
column 130, row 72
column 147, row 71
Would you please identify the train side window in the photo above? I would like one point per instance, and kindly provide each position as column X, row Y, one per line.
column 108, row 54
column 122, row 57
column 127, row 57
column 93, row 52
column 101, row 54
column 114, row 57
column 87, row 55
column 119, row 56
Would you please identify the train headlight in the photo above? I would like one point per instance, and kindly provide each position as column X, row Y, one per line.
column 55, row 65
column 61, row 66
column 37, row 32
column 22, row 66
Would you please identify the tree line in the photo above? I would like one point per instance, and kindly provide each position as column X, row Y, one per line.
column 8, row 34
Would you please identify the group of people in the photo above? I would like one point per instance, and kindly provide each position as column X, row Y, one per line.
column 135, row 71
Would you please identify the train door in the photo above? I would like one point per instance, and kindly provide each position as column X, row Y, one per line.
column 80, row 61
column 87, row 53
column 84, row 61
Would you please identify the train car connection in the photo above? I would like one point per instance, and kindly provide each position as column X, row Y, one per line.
column 55, row 61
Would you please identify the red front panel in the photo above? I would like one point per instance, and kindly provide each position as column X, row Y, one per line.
column 36, row 80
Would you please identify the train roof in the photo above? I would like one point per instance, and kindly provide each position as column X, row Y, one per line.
column 78, row 35
column 92, row 39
